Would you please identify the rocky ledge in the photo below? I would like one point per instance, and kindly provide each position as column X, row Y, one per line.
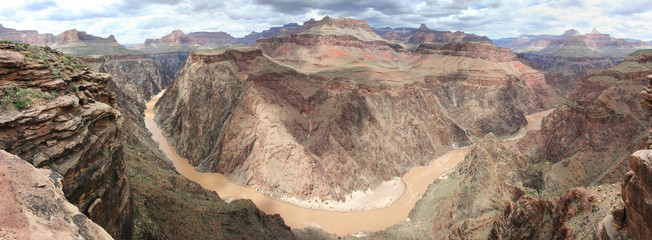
column 632, row 214
column 58, row 114
column 34, row 206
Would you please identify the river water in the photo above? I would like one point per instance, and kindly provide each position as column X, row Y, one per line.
column 340, row 223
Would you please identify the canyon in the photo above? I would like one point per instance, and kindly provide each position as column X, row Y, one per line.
column 347, row 91
column 325, row 130
column 147, row 210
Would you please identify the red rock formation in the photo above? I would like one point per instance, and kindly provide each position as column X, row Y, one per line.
column 485, row 51
column 366, row 97
column 212, row 38
column 179, row 42
column 34, row 207
column 71, row 127
column 633, row 213
column 589, row 138
column 425, row 35
column 532, row 218
column 26, row 36
column 573, row 44
column 637, row 195
column 566, row 58
column 69, row 42
column 287, row 29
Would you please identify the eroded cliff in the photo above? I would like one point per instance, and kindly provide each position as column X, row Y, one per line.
column 588, row 139
column 463, row 204
column 163, row 199
column 58, row 114
column 34, row 206
column 340, row 118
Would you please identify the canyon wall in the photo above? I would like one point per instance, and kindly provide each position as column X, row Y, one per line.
column 588, row 139
column 34, row 206
column 354, row 112
column 163, row 199
column 630, row 215
column 60, row 115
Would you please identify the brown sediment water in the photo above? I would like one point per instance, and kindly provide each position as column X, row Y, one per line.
column 416, row 182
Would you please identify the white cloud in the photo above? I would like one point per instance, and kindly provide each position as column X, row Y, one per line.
column 134, row 21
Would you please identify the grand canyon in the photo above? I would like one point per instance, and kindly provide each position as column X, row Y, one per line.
column 333, row 128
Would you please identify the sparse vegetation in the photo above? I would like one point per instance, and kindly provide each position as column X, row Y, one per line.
column 54, row 166
column 74, row 87
column 21, row 98
column 61, row 65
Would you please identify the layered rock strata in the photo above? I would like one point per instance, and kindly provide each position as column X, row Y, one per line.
column 425, row 35
column 59, row 115
column 567, row 57
column 70, row 42
column 632, row 214
column 34, row 206
column 463, row 204
column 163, row 199
column 345, row 111
column 637, row 196
column 602, row 121
column 136, row 78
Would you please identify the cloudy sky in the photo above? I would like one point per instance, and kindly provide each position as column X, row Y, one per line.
column 132, row 21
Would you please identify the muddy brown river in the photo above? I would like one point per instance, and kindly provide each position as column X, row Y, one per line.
column 340, row 223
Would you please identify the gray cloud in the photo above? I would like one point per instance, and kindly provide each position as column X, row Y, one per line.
column 629, row 7
column 74, row 16
column 391, row 7
column 133, row 21
column 37, row 5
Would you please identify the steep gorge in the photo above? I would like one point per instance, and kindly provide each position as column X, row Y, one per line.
column 163, row 199
column 340, row 118
column 568, row 173
column 588, row 140
column 53, row 117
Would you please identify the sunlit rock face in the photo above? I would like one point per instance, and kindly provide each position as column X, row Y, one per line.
column 337, row 108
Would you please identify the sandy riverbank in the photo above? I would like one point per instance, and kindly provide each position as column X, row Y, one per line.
column 380, row 196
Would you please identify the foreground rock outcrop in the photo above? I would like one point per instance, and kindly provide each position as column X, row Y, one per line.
column 343, row 114
column 59, row 115
column 34, row 206
column 532, row 218
column 632, row 215
column 637, row 196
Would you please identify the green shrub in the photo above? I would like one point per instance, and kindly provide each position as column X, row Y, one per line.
column 74, row 87
column 21, row 98
column 17, row 98
column 54, row 166
column 21, row 46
